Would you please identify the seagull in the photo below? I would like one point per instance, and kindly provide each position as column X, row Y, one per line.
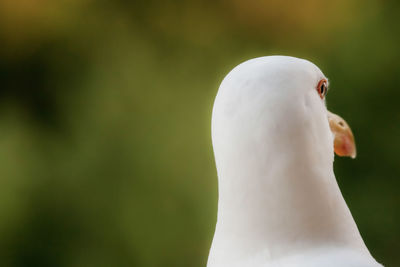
column 274, row 140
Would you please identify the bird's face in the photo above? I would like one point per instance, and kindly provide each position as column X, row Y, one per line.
column 308, row 81
column 343, row 143
column 300, row 79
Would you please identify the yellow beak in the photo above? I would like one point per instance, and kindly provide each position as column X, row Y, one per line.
column 343, row 143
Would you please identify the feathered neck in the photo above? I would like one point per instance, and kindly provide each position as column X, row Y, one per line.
column 277, row 191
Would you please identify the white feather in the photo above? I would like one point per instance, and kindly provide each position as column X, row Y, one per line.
column 279, row 202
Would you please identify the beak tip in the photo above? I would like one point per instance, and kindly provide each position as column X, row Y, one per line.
column 354, row 154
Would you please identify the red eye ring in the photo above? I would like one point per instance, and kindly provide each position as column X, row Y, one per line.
column 322, row 88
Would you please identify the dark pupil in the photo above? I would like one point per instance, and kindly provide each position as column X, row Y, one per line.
column 322, row 89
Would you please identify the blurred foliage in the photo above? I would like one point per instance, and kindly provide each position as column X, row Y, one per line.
column 105, row 108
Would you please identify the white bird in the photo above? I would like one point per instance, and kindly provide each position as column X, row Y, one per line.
column 274, row 140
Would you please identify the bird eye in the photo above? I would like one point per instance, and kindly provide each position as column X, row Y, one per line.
column 322, row 88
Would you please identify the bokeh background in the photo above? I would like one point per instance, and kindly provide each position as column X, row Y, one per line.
column 105, row 108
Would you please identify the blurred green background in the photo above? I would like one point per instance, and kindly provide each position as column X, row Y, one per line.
column 105, row 109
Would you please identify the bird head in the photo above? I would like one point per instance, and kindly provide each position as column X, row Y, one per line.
column 278, row 104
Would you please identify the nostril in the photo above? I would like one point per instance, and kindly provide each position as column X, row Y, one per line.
column 341, row 123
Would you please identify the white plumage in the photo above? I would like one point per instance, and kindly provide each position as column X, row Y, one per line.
column 279, row 202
